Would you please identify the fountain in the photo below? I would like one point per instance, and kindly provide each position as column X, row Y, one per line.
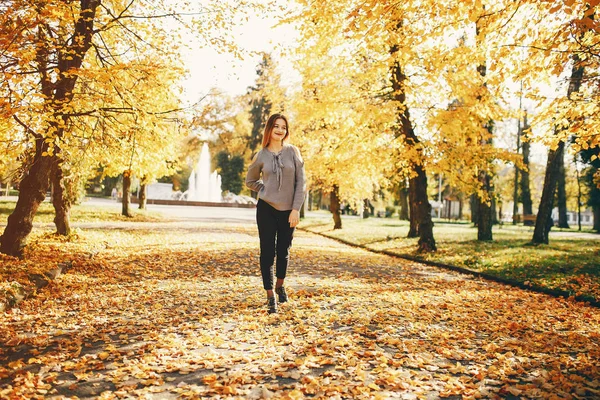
column 202, row 184
column 204, row 188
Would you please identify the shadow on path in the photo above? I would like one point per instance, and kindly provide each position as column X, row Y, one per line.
column 176, row 311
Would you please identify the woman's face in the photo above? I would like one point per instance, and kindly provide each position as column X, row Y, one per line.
column 279, row 130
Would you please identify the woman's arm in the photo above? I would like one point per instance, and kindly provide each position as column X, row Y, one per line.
column 300, row 187
column 253, row 179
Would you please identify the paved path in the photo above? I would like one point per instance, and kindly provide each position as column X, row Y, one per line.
column 176, row 310
column 244, row 215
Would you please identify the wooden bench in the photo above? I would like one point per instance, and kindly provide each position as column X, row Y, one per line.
column 529, row 217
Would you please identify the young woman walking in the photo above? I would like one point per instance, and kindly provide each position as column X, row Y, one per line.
column 277, row 174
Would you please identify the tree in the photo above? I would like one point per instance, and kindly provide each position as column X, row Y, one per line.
column 143, row 192
column 460, row 61
column 561, row 194
column 458, row 143
column 485, row 174
column 264, row 98
column 60, row 96
column 403, row 202
column 558, row 41
column 57, row 82
column 230, row 168
column 525, row 174
column 334, row 207
column 420, row 207
column 341, row 132
column 67, row 188
column 142, row 137
column 555, row 155
column 515, row 197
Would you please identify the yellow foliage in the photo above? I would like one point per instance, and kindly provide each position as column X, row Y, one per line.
column 100, row 86
column 461, row 61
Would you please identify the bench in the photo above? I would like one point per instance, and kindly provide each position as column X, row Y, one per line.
column 529, row 217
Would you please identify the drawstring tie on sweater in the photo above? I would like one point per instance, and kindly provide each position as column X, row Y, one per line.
column 278, row 168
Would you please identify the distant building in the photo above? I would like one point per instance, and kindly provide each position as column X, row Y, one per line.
column 587, row 217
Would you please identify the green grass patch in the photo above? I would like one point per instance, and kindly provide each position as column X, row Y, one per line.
column 84, row 213
column 569, row 263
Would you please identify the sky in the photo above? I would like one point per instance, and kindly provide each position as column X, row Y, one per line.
column 210, row 69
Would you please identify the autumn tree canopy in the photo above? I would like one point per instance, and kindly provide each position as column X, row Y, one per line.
column 94, row 80
column 91, row 83
column 466, row 64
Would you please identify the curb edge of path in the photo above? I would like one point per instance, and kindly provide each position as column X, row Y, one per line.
column 483, row 275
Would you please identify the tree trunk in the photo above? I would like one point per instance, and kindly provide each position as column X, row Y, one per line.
column 126, row 196
column 596, row 211
column 543, row 222
column 525, row 190
column 474, row 209
column 544, row 215
column 403, row 200
column 32, row 192
column 485, row 212
column 578, row 197
column 460, row 207
column 516, row 197
column 366, row 209
column 495, row 218
column 34, row 186
column 142, row 196
column 334, row 207
column 516, row 186
column 421, row 223
column 423, row 211
column 561, row 195
column 413, row 230
column 60, row 201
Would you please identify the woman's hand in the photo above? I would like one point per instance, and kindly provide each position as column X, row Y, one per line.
column 294, row 218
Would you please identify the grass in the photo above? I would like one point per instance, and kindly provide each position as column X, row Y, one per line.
column 83, row 213
column 569, row 264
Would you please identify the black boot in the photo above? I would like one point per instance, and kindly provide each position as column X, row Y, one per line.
column 283, row 297
column 272, row 305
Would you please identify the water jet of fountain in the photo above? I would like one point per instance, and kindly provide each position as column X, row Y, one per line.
column 191, row 193
column 204, row 185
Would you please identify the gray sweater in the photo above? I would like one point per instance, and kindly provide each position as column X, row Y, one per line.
column 282, row 183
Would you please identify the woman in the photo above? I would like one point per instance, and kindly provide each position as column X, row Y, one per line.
column 277, row 174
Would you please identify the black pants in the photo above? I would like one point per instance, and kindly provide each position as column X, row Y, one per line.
column 275, row 239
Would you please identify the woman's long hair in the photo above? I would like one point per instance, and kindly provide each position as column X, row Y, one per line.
column 269, row 129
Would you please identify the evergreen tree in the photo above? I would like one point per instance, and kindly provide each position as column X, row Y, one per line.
column 230, row 168
column 261, row 101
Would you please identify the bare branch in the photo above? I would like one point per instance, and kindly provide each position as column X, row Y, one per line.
column 512, row 15
column 26, row 127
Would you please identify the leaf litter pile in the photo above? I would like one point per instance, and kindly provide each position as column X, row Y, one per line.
column 177, row 310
